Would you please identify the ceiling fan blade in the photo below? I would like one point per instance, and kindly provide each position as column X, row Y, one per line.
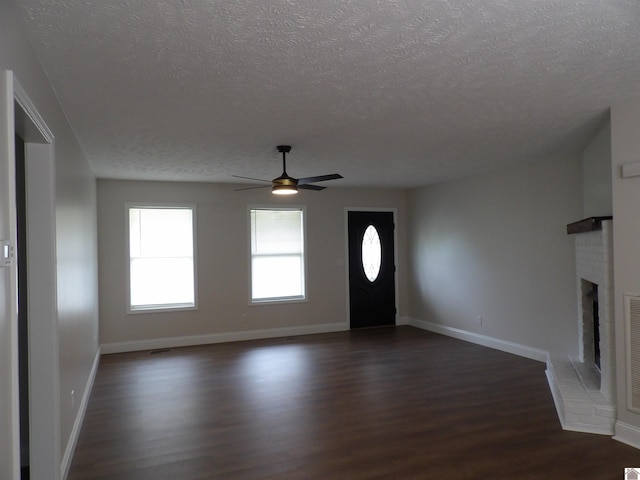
column 307, row 186
column 251, row 178
column 251, row 188
column 321, row 178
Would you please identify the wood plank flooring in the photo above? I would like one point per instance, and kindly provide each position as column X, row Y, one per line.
column 396, row 403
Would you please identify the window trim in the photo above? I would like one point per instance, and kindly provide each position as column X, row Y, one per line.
column 278, row 300
column 161, row 308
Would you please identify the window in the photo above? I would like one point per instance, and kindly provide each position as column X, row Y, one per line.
column 371, row 253
column 161, row 258
column 277, row 255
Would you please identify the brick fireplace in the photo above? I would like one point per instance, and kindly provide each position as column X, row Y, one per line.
column 583, row 391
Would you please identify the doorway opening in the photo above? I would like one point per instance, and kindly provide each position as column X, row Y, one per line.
column 23, row 317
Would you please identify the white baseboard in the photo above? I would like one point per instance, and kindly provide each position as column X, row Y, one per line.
column 495, row 343
column 171, row 342
column 77, row 424
column 629, row 434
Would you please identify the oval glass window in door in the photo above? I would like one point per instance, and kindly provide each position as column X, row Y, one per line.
column 371, row 253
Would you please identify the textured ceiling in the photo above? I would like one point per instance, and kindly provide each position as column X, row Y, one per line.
column 396, row 93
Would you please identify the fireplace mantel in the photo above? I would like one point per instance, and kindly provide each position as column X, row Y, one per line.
column 586, row 225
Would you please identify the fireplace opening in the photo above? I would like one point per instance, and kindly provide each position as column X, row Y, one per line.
column 595, row 326
column 590, row 324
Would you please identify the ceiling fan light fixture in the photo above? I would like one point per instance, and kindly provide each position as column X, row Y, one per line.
column 284, row 189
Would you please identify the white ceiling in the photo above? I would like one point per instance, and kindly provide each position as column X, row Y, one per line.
column 396, row 93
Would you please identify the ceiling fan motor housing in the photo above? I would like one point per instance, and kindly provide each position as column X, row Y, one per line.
column 285, row 180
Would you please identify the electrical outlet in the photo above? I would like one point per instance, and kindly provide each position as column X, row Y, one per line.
column 244, row 317
column 479, row 320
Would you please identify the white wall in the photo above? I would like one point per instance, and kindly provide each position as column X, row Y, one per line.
column 223, row 256
column 75, row 209
column 625, row 148
column 596, row 174
column 496, row 246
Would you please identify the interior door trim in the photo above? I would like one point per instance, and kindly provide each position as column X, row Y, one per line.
column 44, row 368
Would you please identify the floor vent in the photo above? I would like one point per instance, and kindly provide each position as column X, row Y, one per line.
column 632, row 314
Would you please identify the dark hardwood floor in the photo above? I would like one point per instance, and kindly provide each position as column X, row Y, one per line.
column 396, row 403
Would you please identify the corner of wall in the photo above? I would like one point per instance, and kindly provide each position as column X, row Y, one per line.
column 69, row 450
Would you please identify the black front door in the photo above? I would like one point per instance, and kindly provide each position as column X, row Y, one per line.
column 372, row 299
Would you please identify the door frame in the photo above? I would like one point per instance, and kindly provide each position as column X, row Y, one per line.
column 22, row 117
column 394, row 212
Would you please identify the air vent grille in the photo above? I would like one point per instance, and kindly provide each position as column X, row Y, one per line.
column 632, row 310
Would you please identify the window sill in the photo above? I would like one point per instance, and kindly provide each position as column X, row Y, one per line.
column 161, row 309
column 277, row 301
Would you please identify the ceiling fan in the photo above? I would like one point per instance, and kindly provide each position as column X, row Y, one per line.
column 286, row 185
